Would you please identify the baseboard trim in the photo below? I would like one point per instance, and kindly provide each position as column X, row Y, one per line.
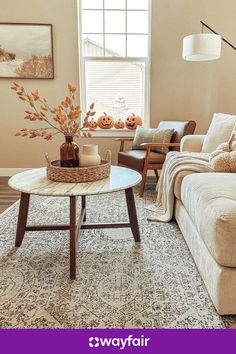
column 8, row 172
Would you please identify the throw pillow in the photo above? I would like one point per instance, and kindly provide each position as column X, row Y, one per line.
column 149, row 135
column 219, row 131
column 224, row 158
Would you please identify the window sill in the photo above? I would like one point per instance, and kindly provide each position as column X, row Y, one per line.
column 112, row 133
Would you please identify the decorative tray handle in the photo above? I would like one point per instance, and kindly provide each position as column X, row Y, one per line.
column 48, row 159
column 108, row 156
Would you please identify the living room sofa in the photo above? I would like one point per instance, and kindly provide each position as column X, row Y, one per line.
column 205, row 209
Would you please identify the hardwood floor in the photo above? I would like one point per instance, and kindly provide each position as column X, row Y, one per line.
column 8, row 196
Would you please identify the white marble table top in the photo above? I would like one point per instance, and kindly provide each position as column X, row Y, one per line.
column 36, row 182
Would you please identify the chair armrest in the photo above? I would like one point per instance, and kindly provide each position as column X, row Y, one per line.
column 192, row 143
column 150, row 145
column 124, row 139
column 122, row 142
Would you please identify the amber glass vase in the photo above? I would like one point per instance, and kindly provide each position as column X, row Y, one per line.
column 69, row 152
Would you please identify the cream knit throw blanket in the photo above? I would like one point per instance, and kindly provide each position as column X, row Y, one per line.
column 174, row 164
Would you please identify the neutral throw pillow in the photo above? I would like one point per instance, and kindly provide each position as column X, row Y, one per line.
column 219, row 131
column 149, row 135
column 223, row 159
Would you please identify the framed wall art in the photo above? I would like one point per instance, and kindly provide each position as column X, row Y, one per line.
column 26, row 51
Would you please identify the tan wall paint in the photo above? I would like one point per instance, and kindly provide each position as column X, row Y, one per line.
column 179, row 89
column 191, row 90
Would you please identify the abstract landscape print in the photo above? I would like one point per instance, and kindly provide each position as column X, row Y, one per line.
column 26, row 51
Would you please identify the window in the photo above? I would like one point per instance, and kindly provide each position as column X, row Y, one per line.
column 114, row 56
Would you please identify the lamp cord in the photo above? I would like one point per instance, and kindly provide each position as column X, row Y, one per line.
column 223, row 39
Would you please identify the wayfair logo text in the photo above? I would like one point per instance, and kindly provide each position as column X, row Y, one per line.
column 122, row 343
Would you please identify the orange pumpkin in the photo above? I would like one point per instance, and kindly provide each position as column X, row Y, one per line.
column 119, row 124
column 106, row 121
column 133, row 121
column 92, row 124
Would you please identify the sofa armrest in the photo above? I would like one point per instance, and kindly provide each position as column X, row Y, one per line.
column 192, row 143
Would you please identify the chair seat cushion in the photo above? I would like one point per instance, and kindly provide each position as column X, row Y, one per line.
column 135, row 159
column 210, row 200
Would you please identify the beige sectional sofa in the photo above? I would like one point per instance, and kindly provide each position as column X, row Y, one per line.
column 205, row 209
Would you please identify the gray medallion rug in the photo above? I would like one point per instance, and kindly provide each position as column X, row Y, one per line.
column 119, row 284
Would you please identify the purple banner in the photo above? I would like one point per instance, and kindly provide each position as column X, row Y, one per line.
column 117, row 341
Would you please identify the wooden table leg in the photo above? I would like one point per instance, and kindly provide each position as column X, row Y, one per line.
column 84, row 206
column 132, row 214
column 22, row 218
column 73, row 238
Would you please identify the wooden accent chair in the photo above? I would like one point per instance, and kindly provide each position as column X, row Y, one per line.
column 144, row 160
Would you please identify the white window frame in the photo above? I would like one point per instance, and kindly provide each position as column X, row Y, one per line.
column 146, row 60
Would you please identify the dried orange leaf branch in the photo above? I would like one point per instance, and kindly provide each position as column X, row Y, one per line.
column 64, row 118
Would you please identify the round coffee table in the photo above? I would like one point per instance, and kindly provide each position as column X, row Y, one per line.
column 36, row 182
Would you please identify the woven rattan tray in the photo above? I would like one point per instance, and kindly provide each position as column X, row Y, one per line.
column 78, row 174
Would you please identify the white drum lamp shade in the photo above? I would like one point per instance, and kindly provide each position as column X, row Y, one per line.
column 202, row 47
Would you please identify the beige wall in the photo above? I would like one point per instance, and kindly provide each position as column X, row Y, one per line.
column 179, row 89
column 191, row 90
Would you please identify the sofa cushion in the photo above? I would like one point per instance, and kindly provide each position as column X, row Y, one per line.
column 210, row 200
column 219, row 131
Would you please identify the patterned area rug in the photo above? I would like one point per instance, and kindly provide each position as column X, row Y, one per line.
column 119, row 284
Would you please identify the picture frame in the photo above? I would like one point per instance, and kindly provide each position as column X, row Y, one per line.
column 26, row 51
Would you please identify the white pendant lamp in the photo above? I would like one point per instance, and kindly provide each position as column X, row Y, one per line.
column 202, row 47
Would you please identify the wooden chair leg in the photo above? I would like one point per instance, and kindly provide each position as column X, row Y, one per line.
column 156, row 173
column 143, row 183
column 145, row 171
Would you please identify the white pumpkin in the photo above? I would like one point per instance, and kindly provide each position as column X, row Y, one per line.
column 223, row 159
